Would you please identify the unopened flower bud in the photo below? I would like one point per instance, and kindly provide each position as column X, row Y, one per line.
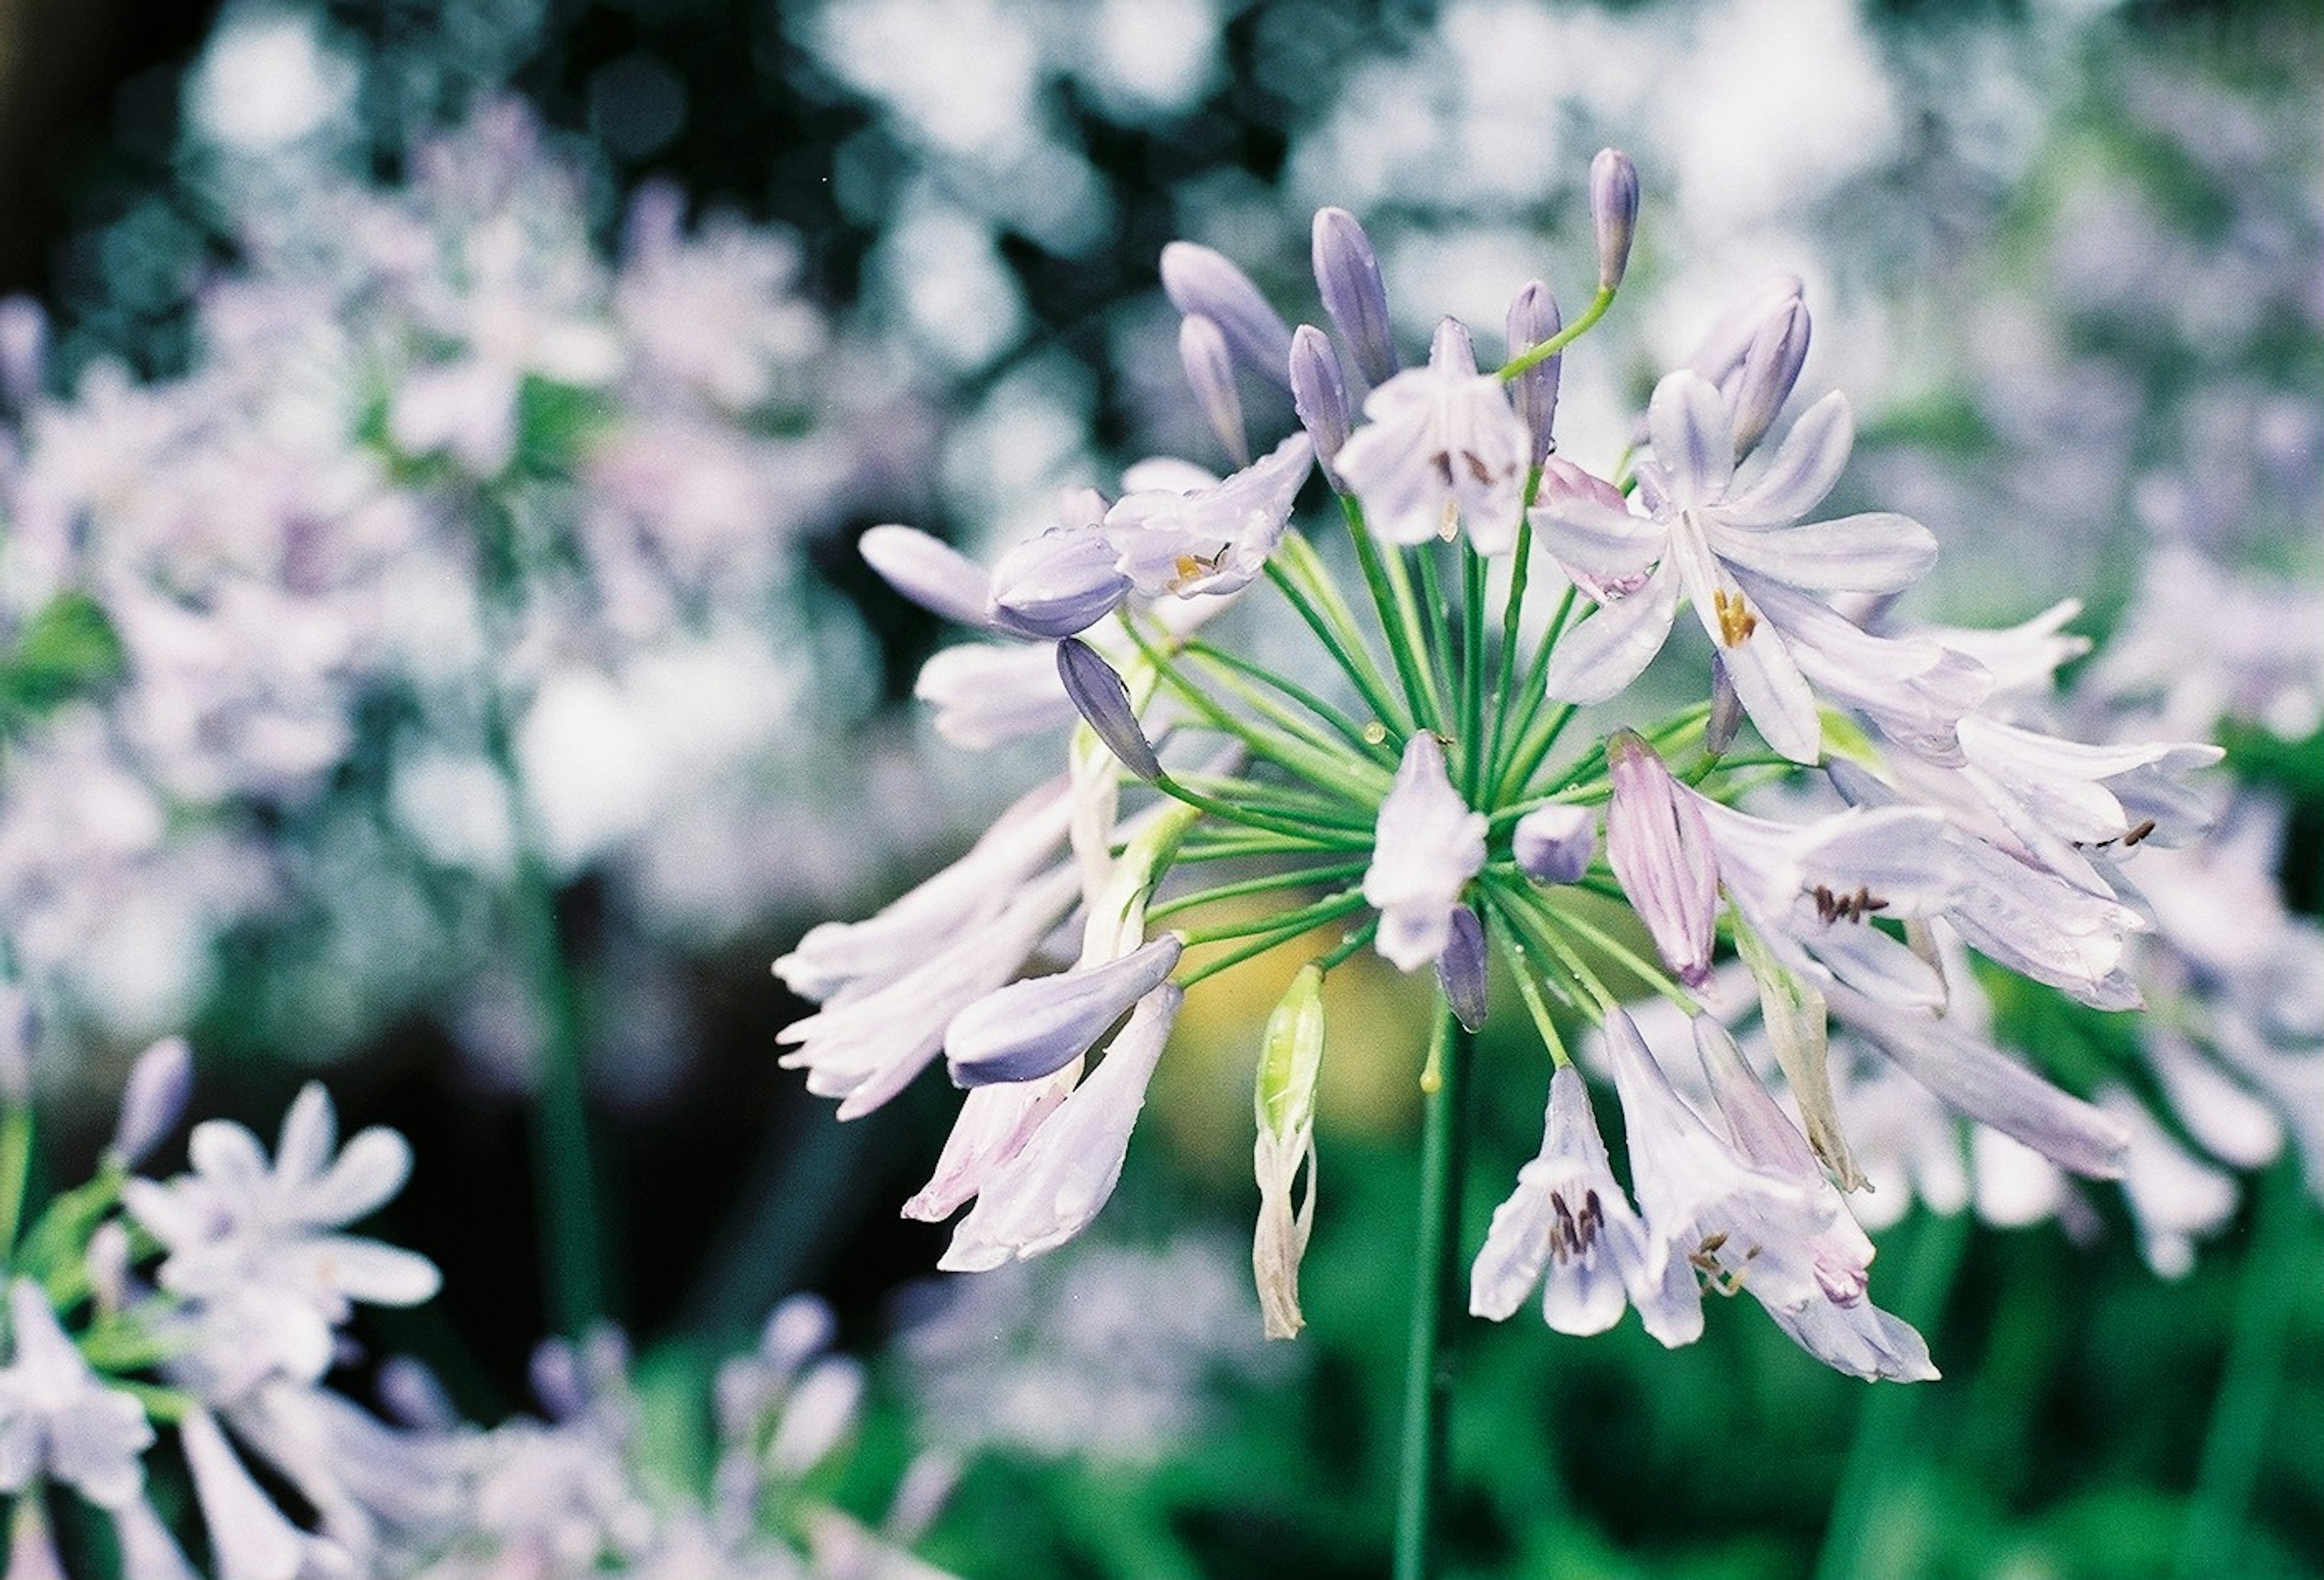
column 1101, row 697
column 1771, row 366
column 1348, row 278
column 1613, row 212
column 1029, row 1029
column 1728, row 339
column 1062, row 581
column 1660, row 849
column 23, row 349
column 820, row 1411
column 154, row 1099
column 1290, row 1061
column 1202, row 283
column 1320, row 394
column 1554, row 843
column 1210, row 372
column 1532, row 320
column 1460, row 968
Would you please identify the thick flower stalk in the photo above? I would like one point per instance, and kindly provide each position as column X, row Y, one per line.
column 1429, row 789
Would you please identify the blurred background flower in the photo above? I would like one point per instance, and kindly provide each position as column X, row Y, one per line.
column 437, row 435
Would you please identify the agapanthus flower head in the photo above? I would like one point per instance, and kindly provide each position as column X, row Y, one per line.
column 1429, row 790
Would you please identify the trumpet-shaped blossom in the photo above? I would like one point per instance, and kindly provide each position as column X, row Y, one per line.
column 1660, row 849
column 1215, row 540
column 1030, row 1029
column 1568, row 1228
column 1427, row 848
column 1055, row 1183
column 1701, row 531
column 1440, row 445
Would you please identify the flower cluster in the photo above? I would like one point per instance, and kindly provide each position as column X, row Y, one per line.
column 214, row 1306
column 1433, row 789
column 460, row 549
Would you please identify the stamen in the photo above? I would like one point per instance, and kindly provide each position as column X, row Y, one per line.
column 1735, row 621
column 2138, row 833
column 1832, row 907
column 1477, row 467
column 1443, row 465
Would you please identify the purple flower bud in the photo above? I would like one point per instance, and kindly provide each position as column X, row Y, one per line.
column 1348, row 278
column 1210, row 370
column 1320, row 394
column 1728, row 339
column 1532, row 320
column 1102, row 699
column 1660, row 849
column 1062, row 581
column 155, row 1099
column 1201, row 283
column 1726, row 710
column 1613, row 211
column 1771, row 366
column 1460, row 968
column 1033, row 1028
column 1554, row 844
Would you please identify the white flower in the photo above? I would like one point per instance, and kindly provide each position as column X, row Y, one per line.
column 1701, row 534
column 1442, row 443
column 1210, row 541
column 250, row 1245
column 1428, row 846
column 56, row 1421
column 1568, row 1218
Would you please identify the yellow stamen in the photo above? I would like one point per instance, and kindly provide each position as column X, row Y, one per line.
column 1735, row 621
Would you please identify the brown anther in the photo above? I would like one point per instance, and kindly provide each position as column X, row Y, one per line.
column 2138, row 833
column 1443, row 465
column 1833, row 907
column 1735, row 621
column 1477, row 467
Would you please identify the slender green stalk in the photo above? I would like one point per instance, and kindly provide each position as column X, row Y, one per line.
column 1532, row 694
column 1881, row 1457
column 1533, row 357
column 1290, row 801
column 1266, row 883
column 1436, row 1304
column 16, row 1169
column 2237, row 1441
column 565, row 1169
column 1328, row 766
column 1301, row 833
column 1472, row 670
column 1512, row 627
column 1298, row 575
column 1435, row 613
column 1288, row 923
column 1373, row 745
column 1305, row 919
column 1395, row 618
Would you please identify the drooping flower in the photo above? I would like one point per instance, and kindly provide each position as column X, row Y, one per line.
column 1568, row 1228
column 56, row 1421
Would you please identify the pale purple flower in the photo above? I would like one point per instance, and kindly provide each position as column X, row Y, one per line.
column 1706, row 1208
column 1660, row 849
column 1426, row 848
column 1033, row 1028
column 1210, row 373
column 1062, row 581
column 1348, row 279
column 1702, row 531
column 2069, row 802
column 1215, row 540
column 1201, row 282
column 152, row 1099
column 1532, row 320
column 1811, row 891
column 1613, row 212
column 58, row 1422
column 864, row 1048
column 1057, row 1182
column 1554, row 844
column 252, row 1245
column 250, row 1538
column 1319, row 393
column 2175, row 1198
column 1441, row 445
column 1568, row 1228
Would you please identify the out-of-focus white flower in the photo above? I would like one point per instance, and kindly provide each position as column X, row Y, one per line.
column 56, row 1421
column 1428, row 846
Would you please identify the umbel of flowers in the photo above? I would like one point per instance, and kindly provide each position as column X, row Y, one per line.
column 1431, row 787
column 213, row 1306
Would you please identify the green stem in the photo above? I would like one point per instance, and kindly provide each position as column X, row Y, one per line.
column 1532, row 693
column 2236, row 1441
column 1305, row 834
column 1401, row 648
column 1266, row 884
column 1347, row 729
column 1512, row 627
column 1289, row 923
column 1528, row 360
column 15, row 1169
column 1308, row 921
column 1334, row 624
column 1436, row 1304
column 1472, row 671
column 565, row 1170
column 1881, row 1456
